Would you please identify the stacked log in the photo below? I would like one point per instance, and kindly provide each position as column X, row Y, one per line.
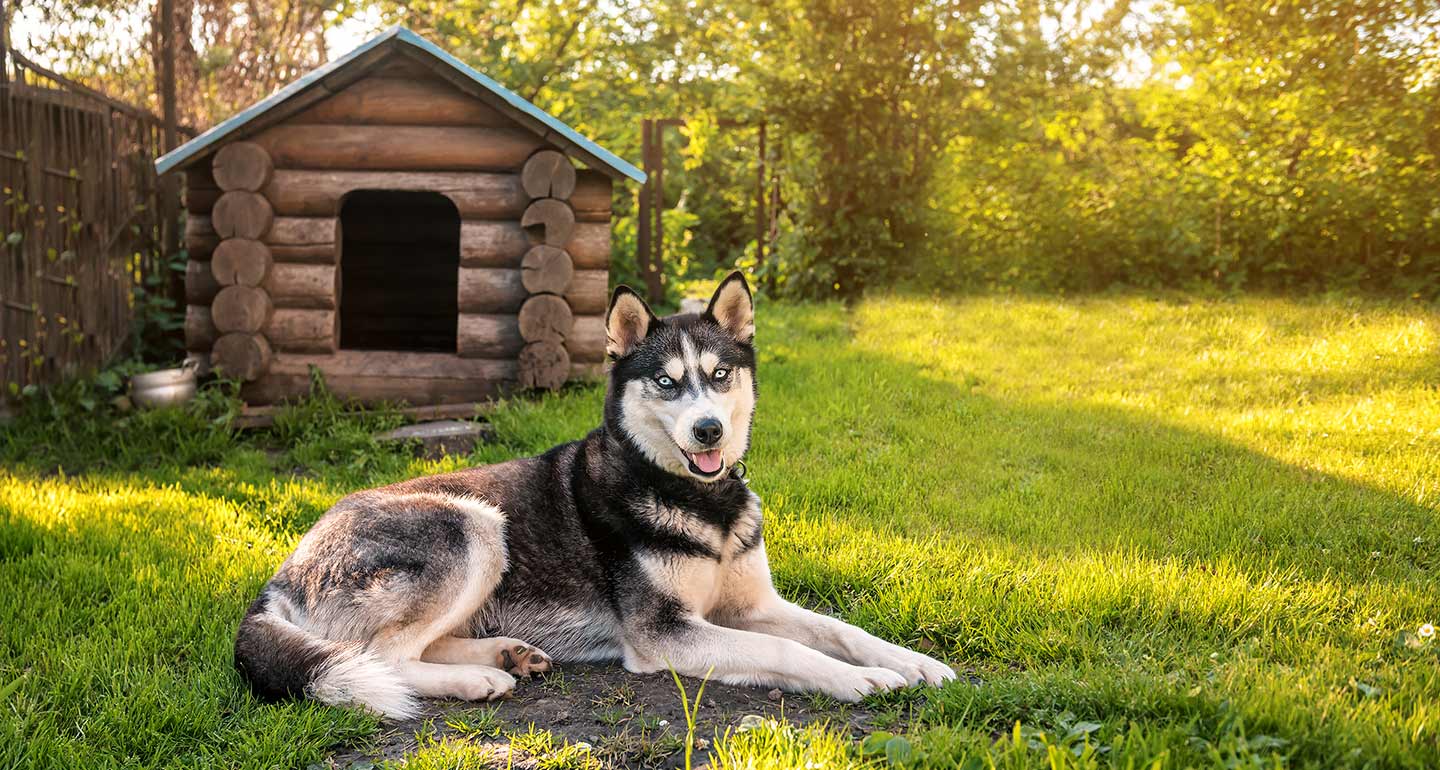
column 229, row 306
column 519, row 287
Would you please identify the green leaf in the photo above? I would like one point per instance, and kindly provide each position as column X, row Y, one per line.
column 875, row 742
column 898, row 751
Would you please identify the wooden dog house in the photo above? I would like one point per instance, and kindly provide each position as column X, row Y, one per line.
column 402, row 223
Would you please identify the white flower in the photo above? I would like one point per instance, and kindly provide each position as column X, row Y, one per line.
column 664, row 723
column 1426, row 631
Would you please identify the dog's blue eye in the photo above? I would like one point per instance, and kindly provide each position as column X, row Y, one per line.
column 664, row 381
column 721, row 374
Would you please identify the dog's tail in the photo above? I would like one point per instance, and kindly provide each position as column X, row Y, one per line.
column 279, row 659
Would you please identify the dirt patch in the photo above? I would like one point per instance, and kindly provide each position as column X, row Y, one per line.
column 627, row 720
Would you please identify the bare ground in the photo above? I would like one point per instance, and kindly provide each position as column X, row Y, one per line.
column 628, row 720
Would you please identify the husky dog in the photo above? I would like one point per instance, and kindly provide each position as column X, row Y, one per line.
column 641, row 543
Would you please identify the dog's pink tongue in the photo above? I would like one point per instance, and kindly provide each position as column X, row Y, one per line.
column 707, row 462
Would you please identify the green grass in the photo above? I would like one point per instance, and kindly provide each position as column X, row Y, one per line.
column 1164, row 532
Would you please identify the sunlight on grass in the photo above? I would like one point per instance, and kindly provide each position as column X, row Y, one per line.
column 1162, row 532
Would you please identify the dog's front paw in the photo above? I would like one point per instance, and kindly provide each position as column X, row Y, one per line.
column 481, row 683
column 917, row 668
column 852, row 683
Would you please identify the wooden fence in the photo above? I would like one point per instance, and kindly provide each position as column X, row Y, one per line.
column 84, row 223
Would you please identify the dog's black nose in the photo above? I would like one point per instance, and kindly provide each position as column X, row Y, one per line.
column 708, row 431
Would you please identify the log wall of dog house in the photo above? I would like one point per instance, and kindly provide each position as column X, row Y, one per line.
column 543, row 288
column 534, row 243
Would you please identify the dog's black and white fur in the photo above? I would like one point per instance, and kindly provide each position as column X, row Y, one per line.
column 638, row 543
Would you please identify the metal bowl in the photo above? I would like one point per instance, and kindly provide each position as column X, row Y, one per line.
column 167, row 387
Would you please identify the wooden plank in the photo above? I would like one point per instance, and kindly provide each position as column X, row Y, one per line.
column 589, row 292
column 200, row 236
column 488, row 336
column 200, row 284
column 503, row 244
column 406, row 100
column 372, row 376
column 310, row 240
column 592, row 199
column 476, row 195
column 398, row 148
column 502, row 290
column 294, row 330
column 302, row 286
column 200, row 332
column 201, row 190
column 498, row 336
column 492, row 244
column 589, row 246
column 449, row 74
column 399, row 65
column 491, row 290
column 586, row 342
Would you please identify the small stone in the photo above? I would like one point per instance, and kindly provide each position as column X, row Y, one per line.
column 775, row 694
column 440, row 437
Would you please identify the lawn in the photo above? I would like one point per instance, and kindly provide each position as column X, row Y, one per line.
column 1161, row 532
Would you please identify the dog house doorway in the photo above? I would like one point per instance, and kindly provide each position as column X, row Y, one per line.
column 399, row 271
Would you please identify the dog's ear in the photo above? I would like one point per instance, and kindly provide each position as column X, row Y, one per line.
column 626, row 322
column 733, row 308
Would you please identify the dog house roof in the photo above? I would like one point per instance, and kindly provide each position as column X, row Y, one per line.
column 400, row 38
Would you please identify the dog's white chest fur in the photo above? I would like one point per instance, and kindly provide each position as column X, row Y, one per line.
column 699, row 582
